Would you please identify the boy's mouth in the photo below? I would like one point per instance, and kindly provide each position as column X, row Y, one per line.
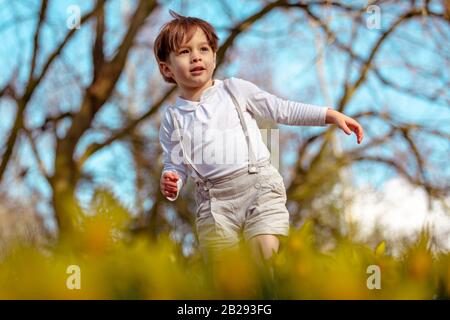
column 197, row 70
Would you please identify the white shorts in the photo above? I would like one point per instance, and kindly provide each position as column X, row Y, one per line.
column 247, row 205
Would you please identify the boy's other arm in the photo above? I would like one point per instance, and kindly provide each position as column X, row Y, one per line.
column 174, row 171
column 271, row 107
column 283, row 111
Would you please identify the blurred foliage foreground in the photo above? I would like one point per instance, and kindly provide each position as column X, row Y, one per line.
column 103, row 261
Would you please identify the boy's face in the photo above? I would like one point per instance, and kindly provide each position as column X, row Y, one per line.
column 192, row 66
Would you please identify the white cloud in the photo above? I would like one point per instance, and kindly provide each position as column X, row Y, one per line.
column 401, row 210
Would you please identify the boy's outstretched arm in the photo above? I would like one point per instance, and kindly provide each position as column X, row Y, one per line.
column 269, row 106
column 346, row 123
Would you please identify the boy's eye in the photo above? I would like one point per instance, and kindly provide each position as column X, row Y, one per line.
column 187, row 51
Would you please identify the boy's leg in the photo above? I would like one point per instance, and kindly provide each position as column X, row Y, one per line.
column 267, row 218
column 263, row 246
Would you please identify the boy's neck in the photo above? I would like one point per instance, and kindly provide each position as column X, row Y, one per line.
column 195, row 93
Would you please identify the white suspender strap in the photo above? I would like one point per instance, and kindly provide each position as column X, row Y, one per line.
column 252, row 167
column 183, row 151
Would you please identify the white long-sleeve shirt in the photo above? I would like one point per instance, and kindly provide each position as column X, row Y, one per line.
column 219, row 146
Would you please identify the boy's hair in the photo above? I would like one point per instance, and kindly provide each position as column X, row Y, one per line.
column 172, row 34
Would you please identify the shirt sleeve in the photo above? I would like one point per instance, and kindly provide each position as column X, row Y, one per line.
column 271, row 107
column 170, row 145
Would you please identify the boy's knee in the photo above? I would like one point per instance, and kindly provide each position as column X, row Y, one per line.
column 264, row 246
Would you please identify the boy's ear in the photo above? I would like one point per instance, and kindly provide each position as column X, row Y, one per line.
column 164, row 67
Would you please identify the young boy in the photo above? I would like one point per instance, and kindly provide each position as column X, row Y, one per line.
column 246, row 196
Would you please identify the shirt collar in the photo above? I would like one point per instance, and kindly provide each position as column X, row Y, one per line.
column 206, row 96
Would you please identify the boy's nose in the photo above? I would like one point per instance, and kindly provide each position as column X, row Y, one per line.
column 195, row 58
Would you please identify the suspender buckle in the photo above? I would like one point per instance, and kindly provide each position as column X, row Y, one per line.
column 208, row 184
column 253, row 169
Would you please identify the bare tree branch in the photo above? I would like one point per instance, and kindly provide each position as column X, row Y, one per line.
column 97, row 52
column 419, row 160
column 42, row 14
column 435, row 97
column 39, row 161
column 66, row 172
column 32, row 85
column 350, row 90
column 91, row 149
column 22, row 101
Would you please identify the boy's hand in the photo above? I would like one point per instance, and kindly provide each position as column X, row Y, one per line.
column 168, row 184
column 346, row 123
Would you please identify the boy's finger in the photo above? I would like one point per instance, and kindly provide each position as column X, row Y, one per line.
column 170, row 194
column 168, row 175
column 347, row 130
column 168, row 190
column 170, row 183
column 358, row 131
column 172, row 177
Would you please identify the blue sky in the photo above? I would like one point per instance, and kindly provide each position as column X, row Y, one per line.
column 288, row 65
